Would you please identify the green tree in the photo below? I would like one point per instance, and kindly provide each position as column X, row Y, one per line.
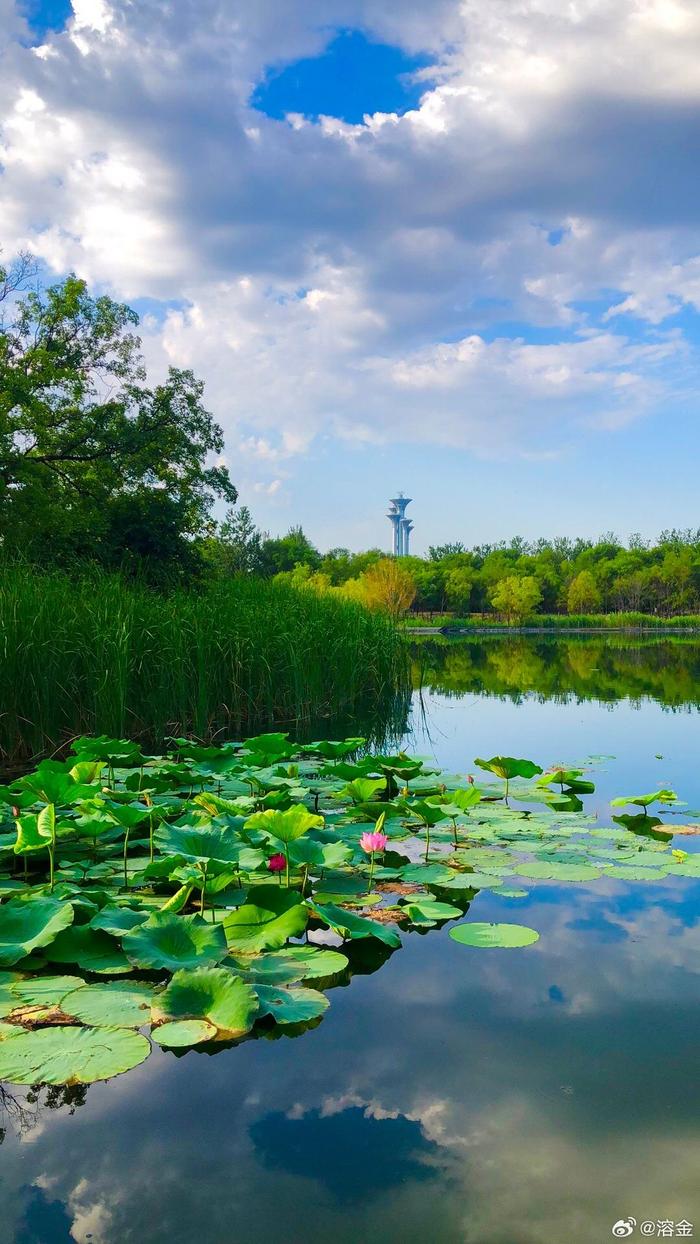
column 516, row 597
column 459, row 582
column 84, row 442
column 238, row 547
column 289, row 551
column 582, row 594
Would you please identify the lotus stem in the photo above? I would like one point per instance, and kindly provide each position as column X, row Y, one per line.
column 203, row 868
column 371, row 872
column 126, row 851
column 51, row 869
column 286, row 860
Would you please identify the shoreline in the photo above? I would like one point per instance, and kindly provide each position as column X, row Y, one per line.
column 460, row 631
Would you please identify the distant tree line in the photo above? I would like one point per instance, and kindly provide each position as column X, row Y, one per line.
column 512, row 578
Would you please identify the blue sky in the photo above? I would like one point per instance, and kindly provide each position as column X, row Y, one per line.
column 407, row 245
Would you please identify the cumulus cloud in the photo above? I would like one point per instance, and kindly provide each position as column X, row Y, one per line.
column 377, row 281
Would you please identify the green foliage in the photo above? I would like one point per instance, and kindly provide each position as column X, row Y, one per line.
column 515, row 597
column 94, row 464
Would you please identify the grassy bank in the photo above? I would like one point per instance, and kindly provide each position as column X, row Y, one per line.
column 559, row 621
column 102, row 656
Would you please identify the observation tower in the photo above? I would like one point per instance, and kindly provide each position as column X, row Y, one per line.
column 402, row 526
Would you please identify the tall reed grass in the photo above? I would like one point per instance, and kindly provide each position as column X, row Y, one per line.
column 99, row 655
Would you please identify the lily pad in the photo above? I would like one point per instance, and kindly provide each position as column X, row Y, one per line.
column 182, row 1032
column 70, row 1055
column 171, row 942
column 296, row 1005
column 553, row 871
column 117, row 1004
column 493, row 935
column 26, row 925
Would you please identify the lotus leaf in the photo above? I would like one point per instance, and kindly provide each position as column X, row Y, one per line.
column 27, row 924
column 167, row 941
column 493, row 935
column 91, row 949
column 183, row 1032
column 285, row 826
column 349, row 925
column 200, row 845
column 118, row 920
column 118, row 1004
column 427, row 910
column 291, row 1006
column 69, row 1055
column 213, row 994
column 265, row 921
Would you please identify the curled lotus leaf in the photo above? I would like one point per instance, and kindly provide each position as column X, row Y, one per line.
column 70, row 1055
column 296, row 1005
column 504, row 936
column 92, row 950
column 266, row 920
column 116, row 1004
column 214, row 994
column 199, row 845
column 118, row 920
column 285, row 826
column 167, row 941
column 347, row 924
column 429, row 911
column 26, row 925
column 509, row 767
column 179, row 1033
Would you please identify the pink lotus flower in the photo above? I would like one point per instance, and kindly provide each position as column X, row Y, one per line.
column 373, row 842
column 276, row 863
column 470, row 779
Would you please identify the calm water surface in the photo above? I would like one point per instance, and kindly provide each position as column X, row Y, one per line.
column 502, row 1097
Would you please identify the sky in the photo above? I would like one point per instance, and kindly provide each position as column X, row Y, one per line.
column 449, row 248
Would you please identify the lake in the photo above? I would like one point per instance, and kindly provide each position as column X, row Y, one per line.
column 535, row 1096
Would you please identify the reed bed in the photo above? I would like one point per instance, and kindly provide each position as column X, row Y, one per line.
column 99, row 655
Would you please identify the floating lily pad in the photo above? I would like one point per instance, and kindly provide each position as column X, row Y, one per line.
column 182, row 1032
column 314, row 962
column 493, row 935
column 554, row 871
column 24, row 925
column 472, row 881
column 45, row 990
column 170, row 942
column 426, row 874
column 295, row 1005
column 117, row 1004
column 628, row 872
column 70, row 1055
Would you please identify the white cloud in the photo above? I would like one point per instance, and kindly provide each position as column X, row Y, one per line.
column 344, row 280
